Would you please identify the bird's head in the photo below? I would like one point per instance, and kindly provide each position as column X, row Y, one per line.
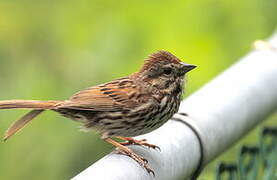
column 164, row 70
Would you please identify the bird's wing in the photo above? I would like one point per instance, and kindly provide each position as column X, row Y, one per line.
column 113, row 96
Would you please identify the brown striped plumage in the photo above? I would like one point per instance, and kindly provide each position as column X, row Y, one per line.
column 126, row 107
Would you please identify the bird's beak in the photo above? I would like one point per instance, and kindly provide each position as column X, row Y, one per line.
column 187, row 67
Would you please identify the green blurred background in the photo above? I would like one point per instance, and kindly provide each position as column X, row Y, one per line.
column 51, row 49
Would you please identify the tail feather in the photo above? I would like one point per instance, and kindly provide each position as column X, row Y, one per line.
column 19, row 124
column 30, row 104
column 37, row 106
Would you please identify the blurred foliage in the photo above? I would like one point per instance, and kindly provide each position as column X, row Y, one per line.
column 231, row 157
column 51, row 49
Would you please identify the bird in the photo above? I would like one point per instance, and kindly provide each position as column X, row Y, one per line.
column 123, row 108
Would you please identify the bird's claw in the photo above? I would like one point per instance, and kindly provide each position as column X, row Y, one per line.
column 140, row 160
column 145, row 160
column 141, row 142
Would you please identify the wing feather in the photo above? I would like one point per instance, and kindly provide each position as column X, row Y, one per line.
column 113, row 96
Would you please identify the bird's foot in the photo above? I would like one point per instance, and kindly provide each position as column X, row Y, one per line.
column 121, row 149
column 139, row 159
column 142, row 142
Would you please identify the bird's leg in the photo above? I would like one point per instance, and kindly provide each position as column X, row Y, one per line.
column 132, row 141
column 127, row 151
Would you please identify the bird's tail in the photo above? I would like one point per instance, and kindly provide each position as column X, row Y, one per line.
column 28, row 104
column 37, row 106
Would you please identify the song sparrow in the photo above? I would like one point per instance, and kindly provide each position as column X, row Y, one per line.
column 123, row 108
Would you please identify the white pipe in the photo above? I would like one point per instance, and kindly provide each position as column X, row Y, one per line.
column 222, row 112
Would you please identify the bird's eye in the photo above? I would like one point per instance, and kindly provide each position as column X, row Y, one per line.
column 167, row 71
